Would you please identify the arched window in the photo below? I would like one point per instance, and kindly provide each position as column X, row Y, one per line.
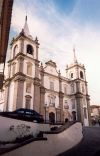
column 15, row 50
column 29, row 49
column 81, row 75
column 71, row 75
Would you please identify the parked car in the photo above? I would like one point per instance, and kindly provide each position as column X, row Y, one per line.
column 24, row 114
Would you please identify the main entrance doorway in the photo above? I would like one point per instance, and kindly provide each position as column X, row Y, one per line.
column 52, row 117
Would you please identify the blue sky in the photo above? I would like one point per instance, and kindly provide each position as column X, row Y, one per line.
column 59, row 25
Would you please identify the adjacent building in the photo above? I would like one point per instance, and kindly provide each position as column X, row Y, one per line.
column 29, row 84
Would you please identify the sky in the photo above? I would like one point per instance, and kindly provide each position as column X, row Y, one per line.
column 60, row 25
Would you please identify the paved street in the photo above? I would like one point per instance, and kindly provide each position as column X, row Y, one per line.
column 88, row 146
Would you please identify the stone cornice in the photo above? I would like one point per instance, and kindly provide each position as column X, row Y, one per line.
column 19, row 77
column 61, row 94
column 28, row 96
column 45, row 73
column 20, row 54
column 52, row 91
column 88, row 97
column 7, row 83
column 42, row 90
column 79, row 95
column 36, row 81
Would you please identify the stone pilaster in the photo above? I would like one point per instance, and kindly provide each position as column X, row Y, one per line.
column 6, row 103
column 61, row 95
column 77, row 86
column 37, row 47
column 36, row 100
column 42, row 91
column 79, row 106
column 22, row 45
column 20, row 63
column 88, row 109
column 18, row 91
column 42, row 100
column 36, row 68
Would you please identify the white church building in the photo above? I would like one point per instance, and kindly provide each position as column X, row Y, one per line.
column 29, row 84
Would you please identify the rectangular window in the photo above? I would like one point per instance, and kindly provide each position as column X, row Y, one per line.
column 28, row 87
column 52, row 85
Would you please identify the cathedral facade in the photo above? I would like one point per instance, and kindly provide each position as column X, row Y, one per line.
column 29, row 84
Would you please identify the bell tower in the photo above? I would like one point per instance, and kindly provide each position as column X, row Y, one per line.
column 78, row 86
column 23, row 83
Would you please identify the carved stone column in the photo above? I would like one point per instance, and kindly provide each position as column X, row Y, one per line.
column 20, row 63
column 6, row 103
column 36, row 100
column 36, row 68
column 42, row 91
column 22, row 45
column 42, row 100
column 79, row 107
column 61, row 95
column 88, row 109
column 18, row 91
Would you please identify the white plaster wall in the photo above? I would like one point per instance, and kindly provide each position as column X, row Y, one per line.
column 25, row 67
column 11, row 96
column 47, row 79
column 56, row 143
column 51, row 70
column 82, row 83
column 67, row 86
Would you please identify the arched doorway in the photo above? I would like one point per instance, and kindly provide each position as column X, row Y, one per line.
column 74, row 115
column 52, row 117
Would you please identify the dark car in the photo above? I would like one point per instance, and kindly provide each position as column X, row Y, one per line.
column 24, row 114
